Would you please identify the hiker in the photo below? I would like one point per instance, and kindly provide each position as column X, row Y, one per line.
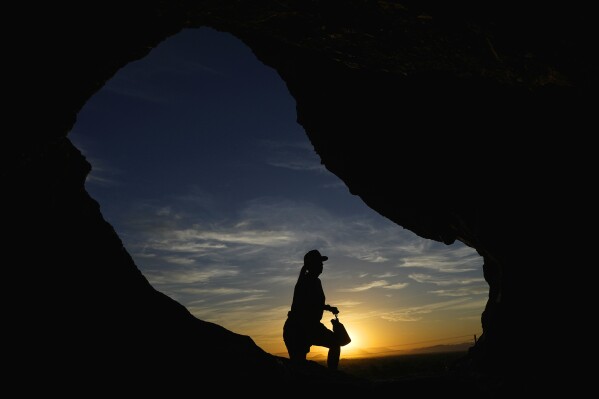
column 303, row 328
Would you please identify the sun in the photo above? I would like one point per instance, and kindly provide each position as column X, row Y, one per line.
column 354, row 344
column 355, row 349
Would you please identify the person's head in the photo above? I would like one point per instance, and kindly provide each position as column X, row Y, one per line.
column 313, row 261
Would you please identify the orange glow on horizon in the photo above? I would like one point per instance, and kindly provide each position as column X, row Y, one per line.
column 374, row 337
column 355, row 349
column 371, row 340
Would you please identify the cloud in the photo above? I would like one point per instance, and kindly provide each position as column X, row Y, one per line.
column 364, row 287
column 220, row 291
column 201, row 240
column 286, row 279
column 179, row 260
column 97, row 179
column 247, row 317
column 268, row 238
column 165, row 211
column 298, row 164
column 275, row 232
column 375, row 284
column 143, row 254
column 298, row 156
column 397, row 286
column 262, row 246
column 471, row 305
column 373, row 258
column 252, row 237
column 347, row 303
column 443, row 280
column 385, row 275
column 188, row 276
column 248, row 298
column 102, row 173
column 181, row 241
column 447, row 260
column 462, row 291
column 415, row 313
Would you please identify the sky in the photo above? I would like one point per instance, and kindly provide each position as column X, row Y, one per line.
column 217, row 193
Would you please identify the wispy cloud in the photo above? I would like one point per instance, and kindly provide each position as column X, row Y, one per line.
column 249, row 298
column 298, row 156
column 188, row 276
column 347, row 303
column 470, row 304
column 450, row 260
column 179, row 260
column 97, row 179
column 375, row 284
column 443, row 280
column 415, row 313
column 181, row 241
column 373, row 258
column 397, row 286
column 245, row 317
column 220, row 291
column 288, row 279
column 270, row 237
column 103, row 173
column 263, row 246
column 367, row 286
column 385, row 275
column 251, row 236
column 462, row 291
column 298, row 164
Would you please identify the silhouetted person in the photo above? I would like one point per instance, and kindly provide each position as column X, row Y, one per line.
column 303, row 328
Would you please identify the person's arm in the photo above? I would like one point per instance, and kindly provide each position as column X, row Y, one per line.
column 331, row 309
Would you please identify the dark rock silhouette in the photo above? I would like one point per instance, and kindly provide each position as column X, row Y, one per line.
column 434, row 113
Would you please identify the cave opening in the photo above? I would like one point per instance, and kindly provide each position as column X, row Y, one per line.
column 216, row 192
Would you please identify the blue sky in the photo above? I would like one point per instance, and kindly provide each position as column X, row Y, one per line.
column 199, row 164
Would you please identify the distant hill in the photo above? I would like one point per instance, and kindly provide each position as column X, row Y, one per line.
column 385, row 351
column 462, row 347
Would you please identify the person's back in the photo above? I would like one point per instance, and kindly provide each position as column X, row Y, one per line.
column 308, row 299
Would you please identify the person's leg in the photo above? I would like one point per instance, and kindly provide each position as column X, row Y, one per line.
column 294, row 342
column 333, row 357
column 325, row 337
